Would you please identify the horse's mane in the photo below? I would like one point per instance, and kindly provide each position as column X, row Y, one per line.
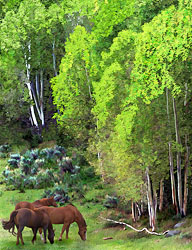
column 71, row 204
column 81, row 217
column 36, row 201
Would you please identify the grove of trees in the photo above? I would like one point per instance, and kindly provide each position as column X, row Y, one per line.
column 111, row 78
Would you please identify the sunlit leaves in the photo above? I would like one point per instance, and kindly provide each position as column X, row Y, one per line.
column 72, row 88
column 164, row 41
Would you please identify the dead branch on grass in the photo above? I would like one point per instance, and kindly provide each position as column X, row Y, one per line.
column 137, row 230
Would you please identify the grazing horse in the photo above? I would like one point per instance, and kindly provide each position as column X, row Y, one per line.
column 66, row 216
column 29, row 218
column 38, row 203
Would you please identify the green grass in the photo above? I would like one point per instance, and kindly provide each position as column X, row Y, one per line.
column 96, row 228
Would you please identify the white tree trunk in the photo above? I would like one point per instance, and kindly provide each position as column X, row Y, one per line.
column 186, row 176
column 28, row 83
column 41, row 99
column 173, row 188
column 54, row 58
column 179, row 178
column 151, row 202
column 187, row 157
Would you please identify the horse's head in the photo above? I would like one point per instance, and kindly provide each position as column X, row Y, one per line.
column 83, row 233
column 51, row 202
column 51, row 234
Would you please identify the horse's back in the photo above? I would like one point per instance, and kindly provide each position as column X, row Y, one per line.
column 32, row 218
column 23, row 216
column 63, row 214
column 24, row 204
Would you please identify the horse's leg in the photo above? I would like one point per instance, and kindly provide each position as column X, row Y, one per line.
column 20, row 234
column 17, row 243
column 40, row 232
column 34, row 234
column 63, row 230
column 67, row 231
column 45, row 231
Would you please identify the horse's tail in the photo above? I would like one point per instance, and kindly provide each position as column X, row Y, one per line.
column 8, row 225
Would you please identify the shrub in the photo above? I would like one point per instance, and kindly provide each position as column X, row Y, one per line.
column 59, row 192
column 111, row 202
column 41, row 169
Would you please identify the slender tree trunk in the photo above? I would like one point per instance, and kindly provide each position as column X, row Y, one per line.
column 35, row 98
column 136, row 212
column 161, row 195
column 139, row 210
column 88, row 81
column 38, row 97
column 155, row 202
column 101, row 166
column 186, row 176
column 37, row 86
column 28, row 83
column 33, row 116
column 142, row 207
column 41, row 99
column 187, row 155
column 54, row 58
column 99, row 157
column 133, row 211
column 151, row 202
column 173, row 188
column 179, row 178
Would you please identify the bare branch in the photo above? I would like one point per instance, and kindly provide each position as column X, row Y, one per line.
column 137, row 230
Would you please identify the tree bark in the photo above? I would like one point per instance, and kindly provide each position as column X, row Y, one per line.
column 54, row 58
column 151, row 202
column 179, row 178
column 41, row 99
column 161, row 195
column 187, row 155
column 186, row 176
column 133, row 211
column 173, row 188
column 28, row 83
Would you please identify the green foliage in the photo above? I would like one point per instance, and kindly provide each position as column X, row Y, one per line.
column 156, row 60
column 72, row 87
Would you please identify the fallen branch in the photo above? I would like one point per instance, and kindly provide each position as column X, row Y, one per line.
column 137, row 230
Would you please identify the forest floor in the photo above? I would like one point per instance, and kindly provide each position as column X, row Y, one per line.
column 97, row 229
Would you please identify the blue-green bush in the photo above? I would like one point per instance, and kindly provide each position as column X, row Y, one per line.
column 40, row 169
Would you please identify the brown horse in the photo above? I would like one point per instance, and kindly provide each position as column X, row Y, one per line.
column 66, row 216
column 29, row 218
column 38, row 203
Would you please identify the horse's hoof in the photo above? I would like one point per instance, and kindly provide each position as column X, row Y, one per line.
column 33, row 242
column 60, row 239
column 45, row 242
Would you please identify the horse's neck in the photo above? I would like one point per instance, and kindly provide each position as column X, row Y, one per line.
column 40, row 202
column 79, row 219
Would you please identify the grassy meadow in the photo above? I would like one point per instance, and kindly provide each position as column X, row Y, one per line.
column 97, row 228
